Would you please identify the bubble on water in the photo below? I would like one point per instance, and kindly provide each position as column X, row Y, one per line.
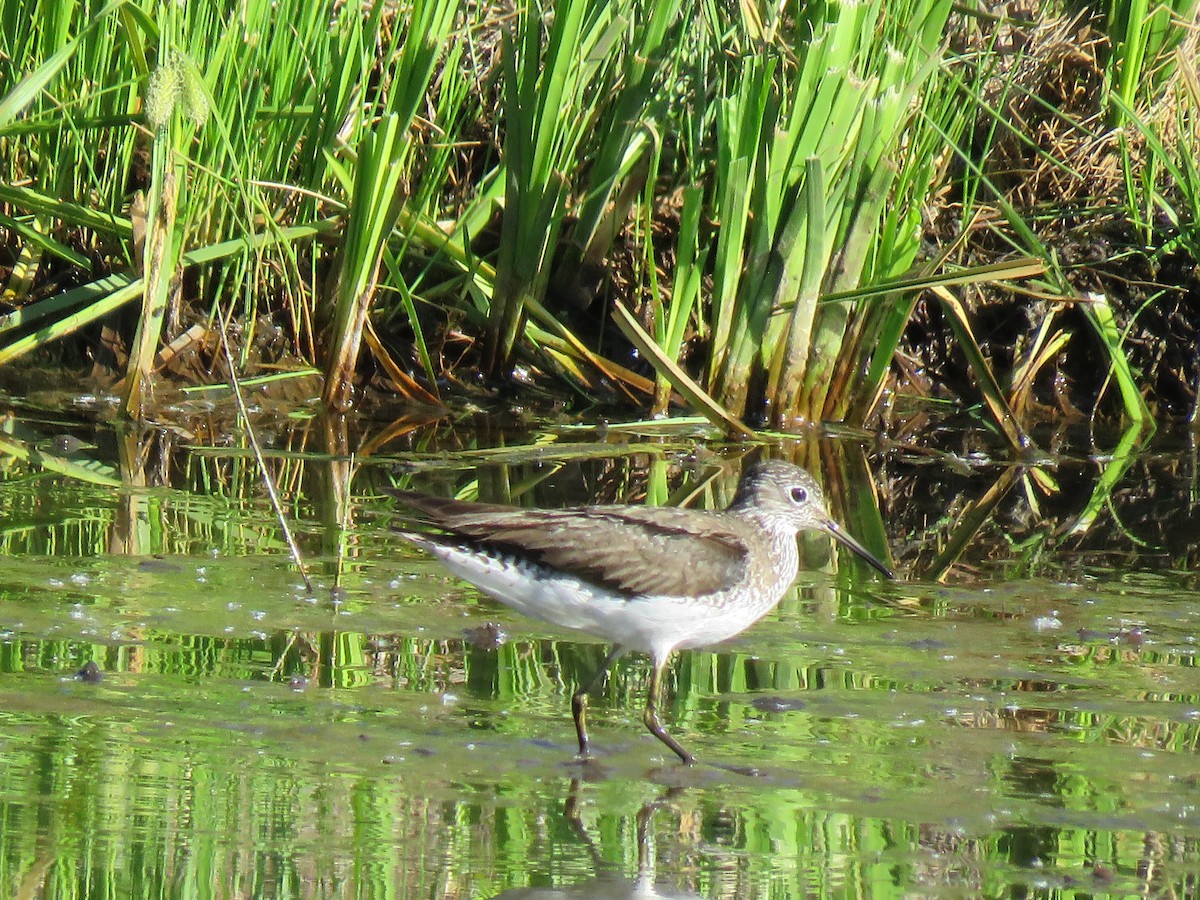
column 1047, row 623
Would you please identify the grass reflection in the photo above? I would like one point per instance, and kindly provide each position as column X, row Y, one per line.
column 393, row 734
column 339, row 763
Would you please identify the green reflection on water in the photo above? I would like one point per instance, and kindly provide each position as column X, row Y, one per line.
column 1031, row 737
column 931, row 742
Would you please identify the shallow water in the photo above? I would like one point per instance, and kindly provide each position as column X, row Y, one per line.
column 1024, row 730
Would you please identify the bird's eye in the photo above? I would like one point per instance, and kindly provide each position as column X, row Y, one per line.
column 799, row 494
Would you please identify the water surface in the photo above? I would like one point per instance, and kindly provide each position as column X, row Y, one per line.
column 180, row 717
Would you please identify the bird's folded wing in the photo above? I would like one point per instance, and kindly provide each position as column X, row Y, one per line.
column 630, row 550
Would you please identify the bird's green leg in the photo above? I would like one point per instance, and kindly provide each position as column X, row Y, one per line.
column 650, row 717
column 579, row 700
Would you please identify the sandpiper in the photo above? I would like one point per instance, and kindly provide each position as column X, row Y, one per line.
column 649, row 579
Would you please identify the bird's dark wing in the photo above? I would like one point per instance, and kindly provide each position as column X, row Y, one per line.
column 628, row 549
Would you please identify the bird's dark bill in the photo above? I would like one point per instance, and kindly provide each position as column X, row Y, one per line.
column 839, row 534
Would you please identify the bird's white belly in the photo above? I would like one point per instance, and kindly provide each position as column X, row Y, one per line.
column 652, row 624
